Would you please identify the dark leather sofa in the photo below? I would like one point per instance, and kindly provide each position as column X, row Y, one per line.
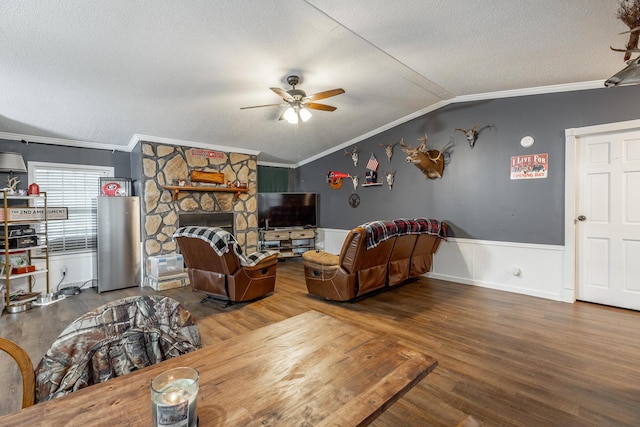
column 374, row 256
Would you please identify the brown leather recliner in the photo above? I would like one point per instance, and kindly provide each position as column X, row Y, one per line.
column 355, row 272
column 400, row 261
column 422, row 255
column 227, row 275
column 374, row 256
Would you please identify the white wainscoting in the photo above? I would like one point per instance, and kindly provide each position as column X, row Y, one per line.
column 81, row 268
column 489, row 264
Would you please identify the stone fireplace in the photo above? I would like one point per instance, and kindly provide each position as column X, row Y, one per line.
column 224, row 220
column 164, row 165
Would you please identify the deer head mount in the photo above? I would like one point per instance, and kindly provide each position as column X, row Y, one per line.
column 354, row 155
column 629, row 13
column 429, row 161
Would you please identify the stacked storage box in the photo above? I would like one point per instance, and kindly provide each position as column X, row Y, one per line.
column 166, row 272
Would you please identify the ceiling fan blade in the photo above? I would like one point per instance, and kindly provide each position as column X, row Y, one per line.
column 323, row 107
column 258, row 106
column 282, row 93
column 325, row 94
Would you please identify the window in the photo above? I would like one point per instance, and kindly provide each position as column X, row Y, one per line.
column 75, row 187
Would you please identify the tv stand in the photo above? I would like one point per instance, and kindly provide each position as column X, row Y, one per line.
column 289, row 242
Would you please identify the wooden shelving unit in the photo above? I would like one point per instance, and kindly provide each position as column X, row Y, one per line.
column 40, row 251
column 288, row 242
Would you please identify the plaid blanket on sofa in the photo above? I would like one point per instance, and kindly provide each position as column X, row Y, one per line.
column 433, row 227
column 220, row 240
column 377, row 232
column 407, row 226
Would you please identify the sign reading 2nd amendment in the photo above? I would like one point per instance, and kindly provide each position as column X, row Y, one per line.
column 531, row 166
column 33, row 214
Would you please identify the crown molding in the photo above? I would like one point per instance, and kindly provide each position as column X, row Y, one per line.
column 598, row 84
column 278, row 165
column 170, row 141
column 539, row 90
column 377, row 131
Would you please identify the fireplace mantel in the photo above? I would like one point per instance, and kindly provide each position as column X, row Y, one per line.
column 176, row 189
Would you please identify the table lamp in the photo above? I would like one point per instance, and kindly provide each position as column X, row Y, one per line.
column 12, row 162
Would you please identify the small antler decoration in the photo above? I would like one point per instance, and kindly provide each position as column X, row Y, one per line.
column 353, row 154
column 12, row 183
column 389, row 177
column 388, row 149
column 470, row 134
column 354, row 180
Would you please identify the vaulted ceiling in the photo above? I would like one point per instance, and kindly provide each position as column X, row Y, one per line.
column 106, row 73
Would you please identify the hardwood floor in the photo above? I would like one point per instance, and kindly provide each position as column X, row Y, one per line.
column 505, row 359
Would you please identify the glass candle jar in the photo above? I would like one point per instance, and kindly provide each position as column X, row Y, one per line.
column 174, row 395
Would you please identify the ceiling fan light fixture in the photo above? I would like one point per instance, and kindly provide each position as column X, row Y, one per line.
column 305, row 114
column 291, row 116
column 298, row 103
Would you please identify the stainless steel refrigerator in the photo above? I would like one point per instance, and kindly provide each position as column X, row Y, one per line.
column 118, row 243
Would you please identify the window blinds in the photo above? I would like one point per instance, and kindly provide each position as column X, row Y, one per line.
column 74, row 187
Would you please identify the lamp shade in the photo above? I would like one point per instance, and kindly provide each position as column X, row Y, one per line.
column 291, row 116
column 305, row 114
column 12, row 162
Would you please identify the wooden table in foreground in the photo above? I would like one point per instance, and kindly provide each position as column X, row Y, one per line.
column 311, row 369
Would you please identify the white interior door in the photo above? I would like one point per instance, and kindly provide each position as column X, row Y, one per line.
column 608, row 218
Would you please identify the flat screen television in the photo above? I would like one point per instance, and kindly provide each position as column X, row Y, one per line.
column 284, row 210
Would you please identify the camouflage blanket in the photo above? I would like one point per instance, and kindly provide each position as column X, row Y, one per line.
column 113, row 340
column 221, row 240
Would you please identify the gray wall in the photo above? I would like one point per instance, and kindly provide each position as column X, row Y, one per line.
column 120, row 161
column 476, row 195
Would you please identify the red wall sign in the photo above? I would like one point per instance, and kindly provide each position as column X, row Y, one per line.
column 531, row 166
column 210, row 154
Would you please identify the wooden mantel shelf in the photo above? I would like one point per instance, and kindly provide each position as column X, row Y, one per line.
column 176, row 189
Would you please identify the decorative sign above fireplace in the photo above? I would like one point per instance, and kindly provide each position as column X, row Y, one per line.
column 210, row 154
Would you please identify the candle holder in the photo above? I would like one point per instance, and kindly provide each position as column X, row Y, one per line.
column 174, row 396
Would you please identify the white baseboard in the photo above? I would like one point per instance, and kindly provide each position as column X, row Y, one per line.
column 490, row 264
column 523, row 268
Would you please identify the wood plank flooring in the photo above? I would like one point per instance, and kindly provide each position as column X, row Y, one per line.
column 506, row 359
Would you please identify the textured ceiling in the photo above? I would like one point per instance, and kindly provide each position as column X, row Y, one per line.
column 104, row 73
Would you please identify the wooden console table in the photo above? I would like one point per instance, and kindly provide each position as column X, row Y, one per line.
column 176, row 189
column 310, row 369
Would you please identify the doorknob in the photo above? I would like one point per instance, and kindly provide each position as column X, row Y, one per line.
column 582, row 218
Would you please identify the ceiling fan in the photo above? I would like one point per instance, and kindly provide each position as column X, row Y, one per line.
column 298, row 103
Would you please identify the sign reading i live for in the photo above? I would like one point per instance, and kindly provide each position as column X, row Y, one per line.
column 531, row 166
column 209, row 154
column 33, row 214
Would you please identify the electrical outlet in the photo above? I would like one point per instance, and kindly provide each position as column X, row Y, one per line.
column 63, row 270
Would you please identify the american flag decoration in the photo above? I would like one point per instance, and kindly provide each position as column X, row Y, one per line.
column 373, row 163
